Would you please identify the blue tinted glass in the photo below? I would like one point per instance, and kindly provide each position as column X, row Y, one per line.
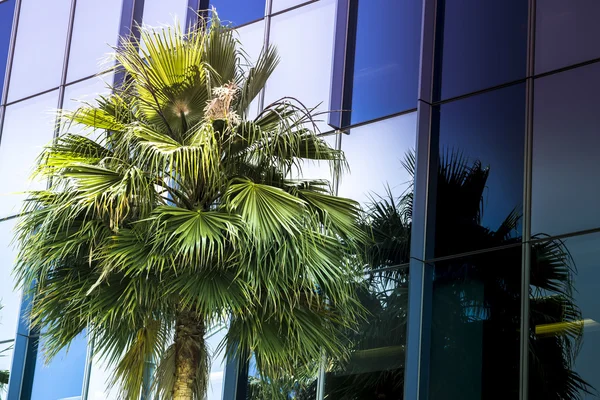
column 566, row 145
column 480, row 175
column 238, row 12
column 566, row 33
column 475, row 325
column 7, row 9
column 62, row 379
column 565, row 318
column 386, row 61
column 481, row 44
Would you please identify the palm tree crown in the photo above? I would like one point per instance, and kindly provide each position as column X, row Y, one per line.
column 183, row 215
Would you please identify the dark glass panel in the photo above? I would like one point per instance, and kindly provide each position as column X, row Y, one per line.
column 7, row 10
column 386, row 59
column 238, row 12
column 480, row 176
column 375, row 368
column 565, row 319
column 566, row 143
column 480, row 44
column 475, row 327
column 567, row 33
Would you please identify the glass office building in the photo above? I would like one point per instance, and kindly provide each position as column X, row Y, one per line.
column 483, row 281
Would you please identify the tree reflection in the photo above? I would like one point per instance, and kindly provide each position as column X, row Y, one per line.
column 476, row 303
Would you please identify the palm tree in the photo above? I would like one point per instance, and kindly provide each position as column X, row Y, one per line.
column 182, row 216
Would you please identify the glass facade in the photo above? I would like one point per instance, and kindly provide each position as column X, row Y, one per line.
column 386, row 58
column 239, row 12
column 33, row 50
column 308, row 82
column 480, row 44
column 480, row 172
column 471, row 132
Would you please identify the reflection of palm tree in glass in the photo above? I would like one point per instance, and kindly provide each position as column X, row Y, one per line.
column 476, row 302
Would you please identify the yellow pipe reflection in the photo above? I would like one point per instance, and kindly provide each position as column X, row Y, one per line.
column 559, row 327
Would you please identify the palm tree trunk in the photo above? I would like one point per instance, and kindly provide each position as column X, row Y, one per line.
column 191, row 361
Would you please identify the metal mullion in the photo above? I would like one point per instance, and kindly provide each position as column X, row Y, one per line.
column 416, row 375
column 9, row 63
column 526, row 240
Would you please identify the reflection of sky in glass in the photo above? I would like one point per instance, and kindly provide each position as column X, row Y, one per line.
column 28, row 126
column 586, row 255
column 279, row 5
column 491, row 128
column 484, row 44
column 63, row 377
column 90, row 46
column 238, row 12
column 217, row 367
column 41, row 40
column 566, row 33
column 304, row 41
column 375, row 153
column 161, row 12
column 100, row 376
column 566, row 141
column 251, row 38
column 386, row 68
column 7, row 10
column 80, row 95
column 9, row 297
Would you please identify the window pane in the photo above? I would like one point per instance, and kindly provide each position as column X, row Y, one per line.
column 252, row 40
column 91, row 41
column 480, row 178
column 41, row 40
column 475, row 327
column 238, row 12
column 62, row 379
column 566, row 33
column 82, row 93
column 279, row 5
column 217, row 367
column 161, row 12
column 100, row 377
column 375, row 154
column 28, row 127
column 299, row 387
column 7, row 10
column 85, row 92
column 386, row 66
column 565, row 318
column 375, row 368
column 306, row 56
column 481, row 44
column 565, row 152
column 10, row 298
